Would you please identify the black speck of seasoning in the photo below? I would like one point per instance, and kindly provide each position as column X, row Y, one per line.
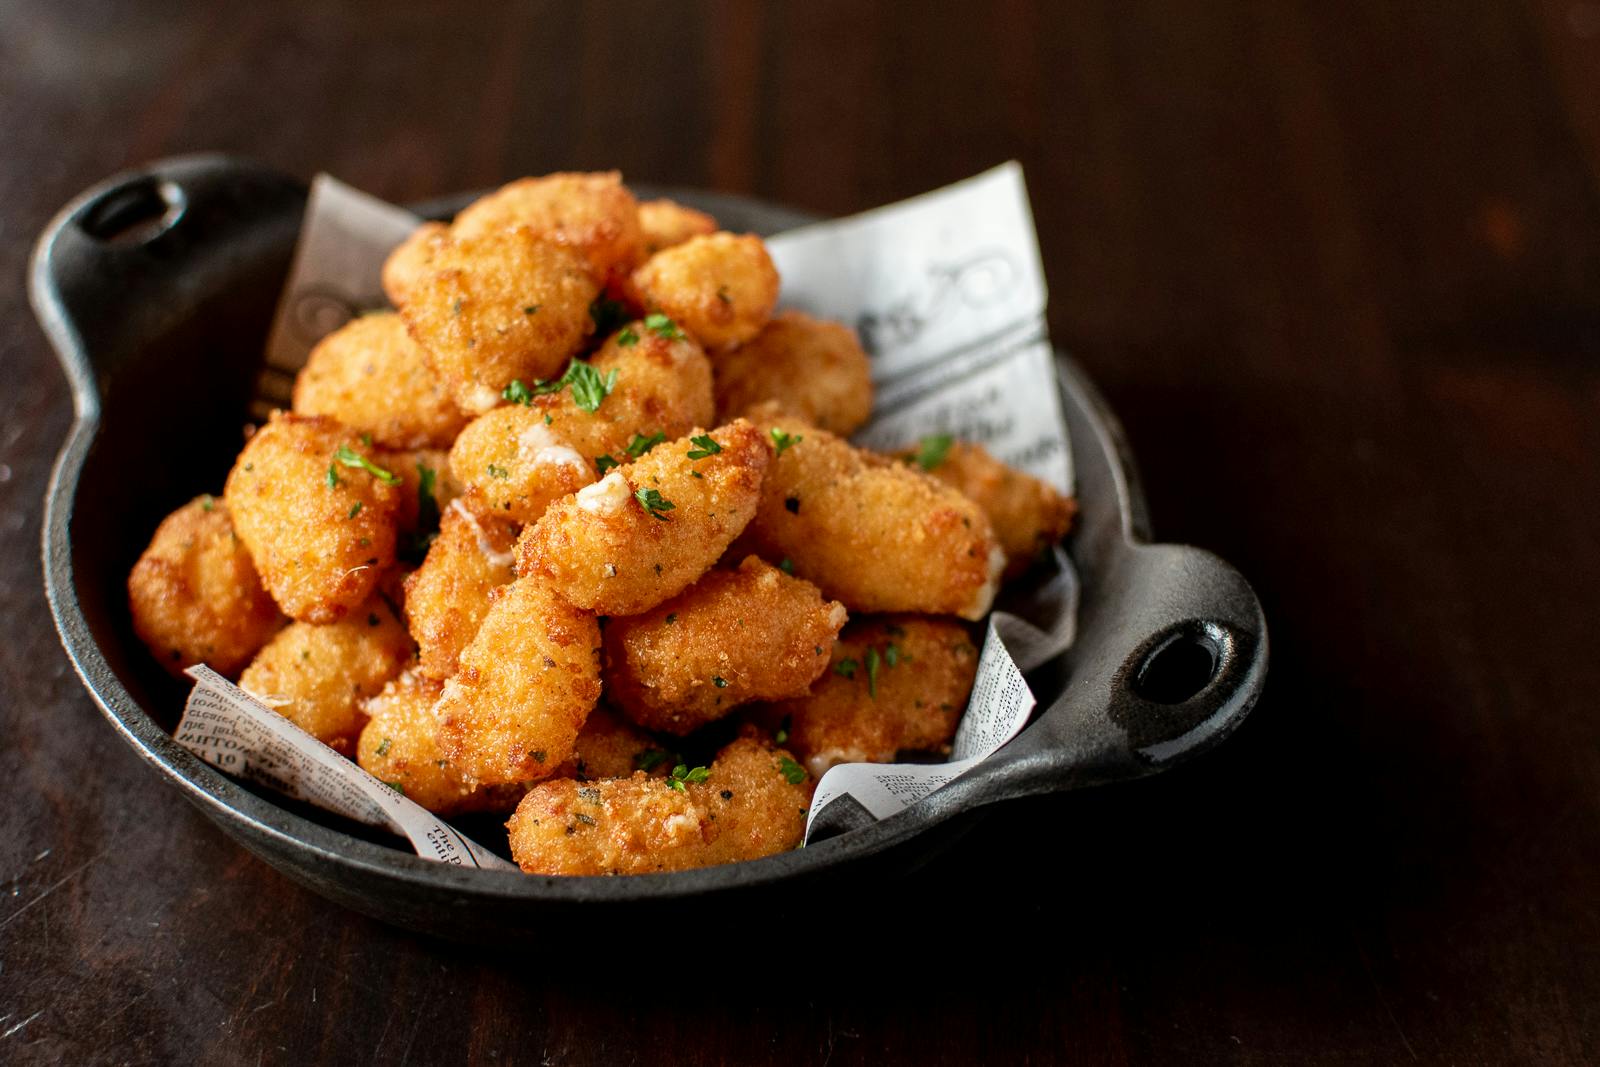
column 696, row 474
column 538, row 757
column 571, row 829
column 587, row 820
column 672, row 617
column 658, row 568
column 722, row 295
column 531, row 309
column 947, row 707
column 727, row 794
column 472, row 342
column 793, row 504
column 548, row 662
column 455, row 308
column 176, row 655
column 249, row 466
column 819, row 650
column 719, row 681
column 967, row 523
column 591, row 795
column 372, row 618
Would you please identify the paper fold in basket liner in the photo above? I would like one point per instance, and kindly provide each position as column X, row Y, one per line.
column 948, row 295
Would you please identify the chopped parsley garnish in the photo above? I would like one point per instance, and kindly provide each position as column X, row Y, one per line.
column 891, row 654
column 531, row 309
column 873, row 662
column 672, row 617
column 589, row 388
column 208, row 502
column 627, row 338
column 641, row 444
column 355, row 509
column 648, row 759
column 783, row 440
column 846, row 668
column 498, row 472
column 538, row 756
column 681, row 775
column 587, row 820
column 722, row 294
column 351, row 458
column 397, row 787
column 662, row 326
column 793, row 773
column 653, row 502
column 704, row 445
column 786, row 565
column 332, row 479
column 383, row 747
column 604, row 463
column 517, row 393
column 932, row 450
column 783, row 730
column 719, row 681
column 607, row 315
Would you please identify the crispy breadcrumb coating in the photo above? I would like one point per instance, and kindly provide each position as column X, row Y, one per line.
column 370, row 375
column 447, row 597
column 721, row 287
column 514, row 464
column 501, row 306
column 593, row 214
column 873, row 532
column 666, row 223
column 1028, row 515
column 319, row 523
column 895, row 683
column 399, row 747
column 811, row 368
column 608, row 747
column 527, row 681
column 732, row 637
column 646, row 531
column 411, row 263
column 195, row 594
column 317, row 676
column 752, row 803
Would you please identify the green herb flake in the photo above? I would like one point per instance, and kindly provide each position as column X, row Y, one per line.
column 497, row 472
column 681, row 776
column 846, row 668
column 719, row 681
column 531, row 309
column 397, row 787
column 704, row 445
column 672, row 617
column 349, row 457
column 517, row 393
column 782, row 736
column 538, row 757
column 662, row 326
column 627, row 338
column 653, row 502
column 383, row 746
column 931, row 451
column 332, row 479
column 209, row 502
column 891, row 654
column 355, row 509
column 587, row 820
column 782, row 441
column 696, row 474
column 648, row 759
column 873, row 663
column 641, row 444
column 786, row 565
column 793, row 773
column 589, row 388
column 605, row 463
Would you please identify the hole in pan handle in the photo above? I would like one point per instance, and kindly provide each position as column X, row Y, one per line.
column 1171, row 656
column 125, row 260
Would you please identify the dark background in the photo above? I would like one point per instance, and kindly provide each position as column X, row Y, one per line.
column 1338, row 268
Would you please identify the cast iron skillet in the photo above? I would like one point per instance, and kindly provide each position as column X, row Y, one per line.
column 156, row 289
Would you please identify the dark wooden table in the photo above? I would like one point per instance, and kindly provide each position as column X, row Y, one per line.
column 1338, row 268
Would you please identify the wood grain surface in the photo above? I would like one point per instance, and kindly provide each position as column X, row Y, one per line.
column 1338, row 268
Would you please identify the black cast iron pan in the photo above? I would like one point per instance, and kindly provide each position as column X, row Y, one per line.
column 156, row 289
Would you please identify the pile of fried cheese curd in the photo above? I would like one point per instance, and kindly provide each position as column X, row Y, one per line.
column 585, row 493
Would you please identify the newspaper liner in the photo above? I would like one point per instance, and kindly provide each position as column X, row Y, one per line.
column 948, row 294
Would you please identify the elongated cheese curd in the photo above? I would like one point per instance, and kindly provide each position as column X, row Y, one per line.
column 195, row 594
column 317, row 513
column 1027, row 514
column 811, row 368
column 751, row 802
column 721, row 287
column 666, row 223
column 646, row 531
column 447, row 597
column 515, row 464
column 370, row 375
column 498, row 307
column 399, row 746
column 318, row 676
column 593, row 214
column 526, row 683
column 895, row 683
column 734, row 636
column 411, row 263
column 872, row 532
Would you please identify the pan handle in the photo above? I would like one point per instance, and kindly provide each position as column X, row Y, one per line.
column 1172, row 656
column 115, row 265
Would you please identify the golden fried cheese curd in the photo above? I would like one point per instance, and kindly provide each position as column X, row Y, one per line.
column 411, row 262
column 750, row 803
column 317, row 512
column 895, row 683
column 370, row 375
column 734, row 636
column 593, row 214
column 721, row 287
column 398, row 746
column 516, row 460
column 647, row 530
column 447, row 597
column 610, row 747
column 811, row 368
column 526, row 683
column 317, row 676
column 873, row 532
column 1028, row 515
column 666, row 223
column 195, row 594
column 497, row 307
